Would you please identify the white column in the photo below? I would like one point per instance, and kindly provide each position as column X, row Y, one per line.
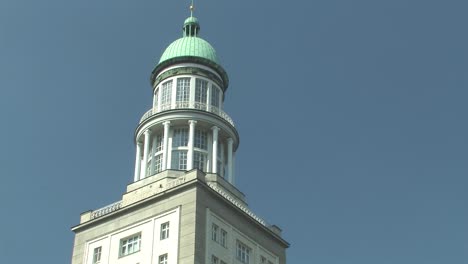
column 215, row 149
column 166, row 124
column 233, row 168
column 208, row 97
column 159, row 98
column 137, row 162
column 153, row 152
column 222, row 170
column 191, row 140
column 229, row 161
column 145, row 153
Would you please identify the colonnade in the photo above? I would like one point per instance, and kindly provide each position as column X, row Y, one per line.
column 147, row 144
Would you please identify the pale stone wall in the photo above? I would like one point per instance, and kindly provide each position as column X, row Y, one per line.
column 125, row 218
column 244, row 226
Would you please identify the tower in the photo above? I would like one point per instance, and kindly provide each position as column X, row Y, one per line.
column 182, row 206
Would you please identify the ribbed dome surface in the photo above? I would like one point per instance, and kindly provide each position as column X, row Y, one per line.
column 190, row 46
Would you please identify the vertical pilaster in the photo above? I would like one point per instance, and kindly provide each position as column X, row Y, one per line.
column 229, row 159
column 214, row 156
column 137, row 162
column 191, row 140
column 146, row 145
column 166, row 124
column 153, row 153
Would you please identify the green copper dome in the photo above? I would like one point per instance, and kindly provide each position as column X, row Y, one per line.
column 190, row 46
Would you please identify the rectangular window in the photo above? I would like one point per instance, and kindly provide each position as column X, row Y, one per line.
column 97, row 255
column 180, row 137
column 179, row 159
column 199, row 160
column 166, row 95
column 201, row 88
column 214, row 96
column 158, row 163
column 163, row 259
column 201, row 139
column 214, row 232
column 164, row 230
column 214, row 259
column 223, row 238
column 159, row 143
column 130, row 245
column 183, row 90
column 243, row 252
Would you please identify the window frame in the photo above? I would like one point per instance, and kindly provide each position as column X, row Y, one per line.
column 164, row 230
column 97, row 251
column 124, row 243
column 243, row 252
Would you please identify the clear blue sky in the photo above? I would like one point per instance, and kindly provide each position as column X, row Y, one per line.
column 352, row 117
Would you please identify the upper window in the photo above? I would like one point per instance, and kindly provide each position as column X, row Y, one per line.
column 214, row 96
column 223, row 238
column 163, row 259
column 183, row 89
column 164, row 230
column 201, row 87
column 130, row 245
column 199, row 160
column 180, row 137
column 201, row 139
column 159, row 143
column 97, row 255
column 243, row 252
column 179, row 159
column 166, row 95
column 219, row 235
column 214, row 232
column 158, row 163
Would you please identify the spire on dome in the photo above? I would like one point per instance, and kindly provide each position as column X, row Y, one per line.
column 192, row 7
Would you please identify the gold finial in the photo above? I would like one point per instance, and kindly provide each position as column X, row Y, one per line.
column 191, row 9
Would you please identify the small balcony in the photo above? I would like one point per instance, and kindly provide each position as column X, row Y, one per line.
column 187, row 105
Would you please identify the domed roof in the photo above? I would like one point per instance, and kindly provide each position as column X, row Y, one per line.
column 190, row 46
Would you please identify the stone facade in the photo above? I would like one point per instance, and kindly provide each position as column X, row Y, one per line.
column 197, row 204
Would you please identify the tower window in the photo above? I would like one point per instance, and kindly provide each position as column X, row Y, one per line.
column 180, row 137
column 214, row 96
column 201, row 139
column 163, row 259
column 243, row 252
column 199, row 160
column 201, row 87
column 179, row 159
column 159, row 143
column 164, row 230
column 183, row 90
column 158, row 163
column 97, row 255
column 130, row 245
column 166, row 95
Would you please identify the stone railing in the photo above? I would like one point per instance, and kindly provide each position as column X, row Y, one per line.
column 188, row 105
column 238, row 204
column 106, row 210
